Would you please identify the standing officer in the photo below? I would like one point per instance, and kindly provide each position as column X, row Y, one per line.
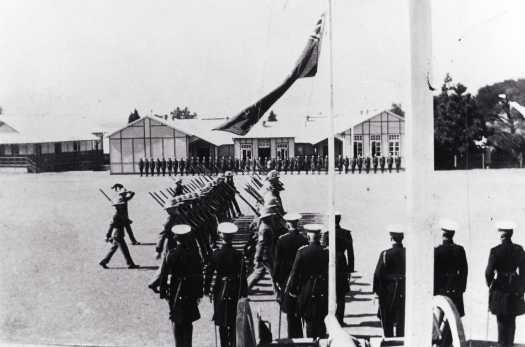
column 389, row 284
column 181, row 285
column 375, row 163
column 152, row 166
column 398, row 163
column 345, row 253
column 170, row 166
column 450, row 267
column 346, row 163
column 285, row 251
column 159, row 166
column 367, row 164
column 308, row 282
column 146, row 166
column 389, row 162
column 182, row 166
column 141, row 166
column 175, row 166
column 163, row 166
column 506, row 289
column 116, row 235
column 227, row 264
column 360, row 163
column 352, row 164
column 382, row 164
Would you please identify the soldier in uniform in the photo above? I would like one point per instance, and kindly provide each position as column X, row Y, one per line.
column 505, row 276
column 339, row 163
column 116, row 235
column 375, row 163
column 345, row 265
column 346, row 163
column 353, row 163
column 152, row 166
column 292, row 165
column 300, row 164
column 237, row 166
column 158, row 166
column 398, row 163
column 181, row 285
column 146, row 166
column 163, row 165
column 190, row 165
column 123, row 197
column 182, row 166
column 141, row 166
column 308, row 282
column 389, row 162
column 285, row 251
column 170, row 166
column 227, row 264
column 360, row 163
column 450, row 267
column 382, row 164
column 367, row 164
column 389, row 284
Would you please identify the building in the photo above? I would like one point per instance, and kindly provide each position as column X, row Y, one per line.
column 154, row 137
column 50, row 144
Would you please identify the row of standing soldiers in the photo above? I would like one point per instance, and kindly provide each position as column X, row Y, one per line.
column 504, row 275
column 313, row 164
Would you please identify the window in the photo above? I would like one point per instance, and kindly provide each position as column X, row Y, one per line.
column 246, row 151
column 282, row 149
column 263, row 143
column 393, row 145
column 358, row 145
column 375, row 145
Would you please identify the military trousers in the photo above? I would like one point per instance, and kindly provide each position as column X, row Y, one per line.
column 295, row 326
column 388, row 327
column 118, row 242
column 316, row 328
column 506, row 330
column 183, row 334
column 130, row 233
column 340, row 310
column 227, row 335
column 263, row 263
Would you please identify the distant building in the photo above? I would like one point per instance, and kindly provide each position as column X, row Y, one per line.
column 50, row 144
column 153, row 137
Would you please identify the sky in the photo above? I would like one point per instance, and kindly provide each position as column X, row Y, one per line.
column 102, row 59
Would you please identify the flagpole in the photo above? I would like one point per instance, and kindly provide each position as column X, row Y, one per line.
column 332, row 300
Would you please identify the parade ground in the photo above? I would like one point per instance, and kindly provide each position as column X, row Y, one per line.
column 52, row 229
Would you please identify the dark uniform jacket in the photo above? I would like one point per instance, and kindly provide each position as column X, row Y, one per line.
column 506, row 285
column 227, row 264
column 285, row 251
column 450, row 273
column 181, row 284
column 309, row 281
column 389, row 282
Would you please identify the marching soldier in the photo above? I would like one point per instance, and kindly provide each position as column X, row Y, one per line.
column 382, row 164
column 375, row 163
column 146, row 166
column 346, row 163
column 505, row 276
column 398, row 163
column 389, row 162
column 163, row 165
column 116, row 235
column 308, row 282
column 170, row 166
column 389, row 285
column 285, row 251
column 152, row 167
column 158, row 166
column 141, row 166
column 450, row 267
column 345, row 254
column 227, row 264
column 181, row 285
column 123, row 197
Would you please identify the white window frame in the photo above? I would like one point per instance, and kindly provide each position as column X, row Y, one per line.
column 375, row 145
column 394, row 148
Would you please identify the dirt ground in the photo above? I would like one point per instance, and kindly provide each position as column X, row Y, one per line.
column 52, row 229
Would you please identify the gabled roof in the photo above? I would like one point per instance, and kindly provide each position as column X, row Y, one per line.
column 42, row 129
column 201, row 128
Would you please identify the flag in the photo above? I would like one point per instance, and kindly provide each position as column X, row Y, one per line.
column 306, row 66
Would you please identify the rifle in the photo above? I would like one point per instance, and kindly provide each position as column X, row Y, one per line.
column 155, row 198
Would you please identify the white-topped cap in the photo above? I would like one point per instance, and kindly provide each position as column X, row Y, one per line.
column 395, row 229
column 448, row 225
column 180, row 229
column 313, row 228
column 505, row 225
column 292, row 217
column 227, row 228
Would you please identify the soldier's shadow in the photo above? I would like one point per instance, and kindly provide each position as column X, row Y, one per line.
column 146, row 244
column 155, row 267
column 370, row 324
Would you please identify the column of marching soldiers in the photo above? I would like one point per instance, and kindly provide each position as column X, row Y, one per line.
column 199, row 258
column 301, row 164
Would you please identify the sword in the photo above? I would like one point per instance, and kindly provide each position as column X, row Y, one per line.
column 103, row 193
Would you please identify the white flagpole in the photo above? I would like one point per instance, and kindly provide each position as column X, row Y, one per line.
column 420, row 166
column 332, row 301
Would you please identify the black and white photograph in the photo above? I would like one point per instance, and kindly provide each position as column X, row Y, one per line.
column 257, row 173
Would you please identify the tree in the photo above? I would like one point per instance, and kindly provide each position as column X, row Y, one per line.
column 133, row 116
column 506, row 126
column 272, row 117
column 184, row 113
column 457, row 124
column 396, row 108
